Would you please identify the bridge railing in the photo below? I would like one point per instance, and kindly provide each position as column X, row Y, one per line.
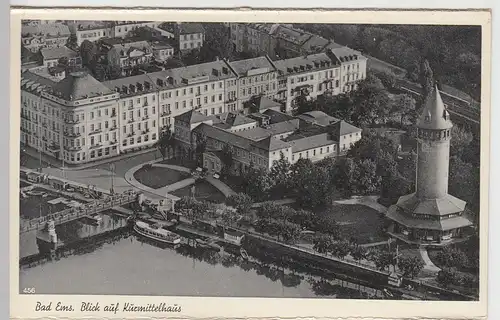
column 75, row 213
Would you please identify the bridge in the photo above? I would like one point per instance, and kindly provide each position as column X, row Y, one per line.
column 77, row 213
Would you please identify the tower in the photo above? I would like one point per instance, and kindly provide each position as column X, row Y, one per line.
column 430, row 215
column 433, row 136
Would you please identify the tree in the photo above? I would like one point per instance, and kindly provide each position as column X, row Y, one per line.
column 256, row 183
column 322, row 244
column 371, row 105
column 280, row 174
column 88, row 52
column 358, row 252
column 464, row 181
column 451, row 257
column 165, row 141
column 446, row 276
column 383, row 259
column 327, row 226
column 426, row 80
column 311, row 183
column 405, row 105
column 410, row 266
column 460, row 141
column 241, row 201
column 340, row 249
column 227, row 159
column 387, row 78
column 201, row 145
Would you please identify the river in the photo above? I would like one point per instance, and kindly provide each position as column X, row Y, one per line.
column 131, row 265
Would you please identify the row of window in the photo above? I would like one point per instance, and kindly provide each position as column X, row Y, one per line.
column 138, row 112
column 313, row 153
column 137, row 140
column 192, row 45
column 140, row 126
column 191, row 36
column 191, row 90
column 257, row 89
column 250, row 80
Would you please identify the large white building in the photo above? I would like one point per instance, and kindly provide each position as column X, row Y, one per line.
column 76, row 118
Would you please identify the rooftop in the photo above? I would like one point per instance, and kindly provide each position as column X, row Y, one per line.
column 277, row 116
column 35, row 83
column 263, row 103
column 190, row 28
column 189, row 75
column 342, row 128
column 191, row 117
column 434, row 116
column 57, row 53
column 345, row 54
column 91, row 25
column 295, row 36
column 300, row 143
column 318, row 117
column 46, row 29
column 79, row 85
column 301, row 64
column 236, row 119
column 129, row 86
column 127, row 47
column 244, row 67
column 271, row 144
column 315, row 44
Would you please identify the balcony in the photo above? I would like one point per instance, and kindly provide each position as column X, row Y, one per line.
column 145, row 117
column 131, row 134
column 145, row 131
column 95, row 131
column 72, row 134
column 131, row 120
column 44, row 111
column 113, row 128
column 166, row 113
column 53, row 147
column 72, row 148
column 26, row 130
column 113, row 114
column 71, row 121
column 44, row 124
column 113, row 142
column 95, row 146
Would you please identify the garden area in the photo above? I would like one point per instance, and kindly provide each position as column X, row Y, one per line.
column 356, row 222
column 158, row 177
column 202, row 191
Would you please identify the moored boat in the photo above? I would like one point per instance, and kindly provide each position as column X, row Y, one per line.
column 155, row 232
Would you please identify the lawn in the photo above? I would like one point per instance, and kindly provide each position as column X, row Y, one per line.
column 203, row 191
column 157, row 177
column 188, row 163
column 357, row 221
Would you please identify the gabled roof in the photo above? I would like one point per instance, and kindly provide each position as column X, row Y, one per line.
column 271, row 144
column 318, row 117
column 236, row 119
column 434, row 116
column 190, row 28
column 310, row 142
column 342, row 128
column 80, row 85
column 277, row 116
column 191, row 117
column 46, row 29
column 241, row 67
column 57, row 53
column 263, row 103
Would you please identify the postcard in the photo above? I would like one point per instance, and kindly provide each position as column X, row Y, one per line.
column 249, row 163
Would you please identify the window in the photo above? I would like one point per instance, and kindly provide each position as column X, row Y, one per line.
column 92, row 115
column 153, row 110
column 220, row 97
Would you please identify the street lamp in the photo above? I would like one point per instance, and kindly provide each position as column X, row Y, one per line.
column 112, row 169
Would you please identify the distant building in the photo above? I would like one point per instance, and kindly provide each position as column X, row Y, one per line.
column 122, row 29
column 51, row 57
column 188, row 35
column 162, row 51
column 127, row 55
column 45, row 35
column 430, row 215
column 90, row 30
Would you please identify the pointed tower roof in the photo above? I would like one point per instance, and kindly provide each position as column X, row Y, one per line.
column 434, row 116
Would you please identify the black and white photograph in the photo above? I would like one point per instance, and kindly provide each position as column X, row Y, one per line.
column 250, row 160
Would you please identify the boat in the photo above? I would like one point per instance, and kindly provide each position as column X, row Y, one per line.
column 244, row 253
column 153, row 231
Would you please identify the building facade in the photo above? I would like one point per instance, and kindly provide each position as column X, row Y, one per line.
column 90, row 30
column 45, row 35
column 430, row 215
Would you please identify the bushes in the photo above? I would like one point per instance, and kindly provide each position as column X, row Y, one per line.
column 450, row 276
column 241, row 202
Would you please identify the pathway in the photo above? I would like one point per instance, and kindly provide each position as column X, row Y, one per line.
column 369, row 201
column 279, row 202
column 429, row 266
column 221, row 186
column 172, row 166
column 177, row 185
column 374, row 244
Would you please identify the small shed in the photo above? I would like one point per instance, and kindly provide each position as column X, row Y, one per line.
column 233, row 236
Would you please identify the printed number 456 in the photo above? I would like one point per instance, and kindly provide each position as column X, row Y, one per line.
column 29, row 290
